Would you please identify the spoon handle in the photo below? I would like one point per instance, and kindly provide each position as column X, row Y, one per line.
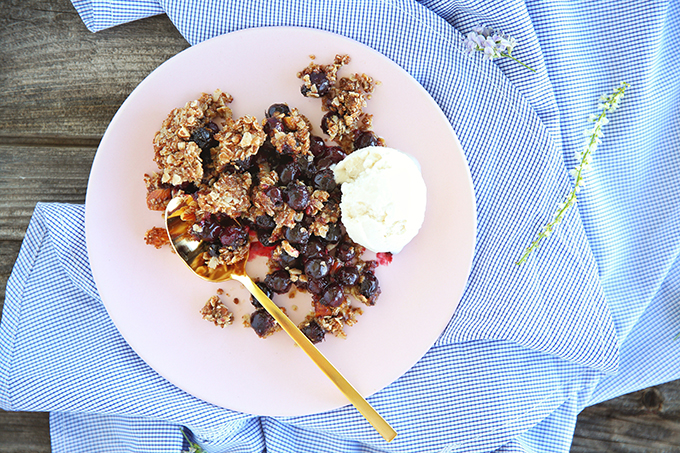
column 354, row 397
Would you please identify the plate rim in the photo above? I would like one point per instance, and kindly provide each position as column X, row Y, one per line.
column 210, row 42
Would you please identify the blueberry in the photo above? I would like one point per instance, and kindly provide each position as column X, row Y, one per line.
column 329, row 117
column 325, row 180
column 234, row 237
column 297, row 235
column 265, row 222
column 264, row 237
column 333, row 155
column 278, row 281
column 209, row 229
column 272, row 125
column 318, row 79
column 307, row 166
column 314, row 332
column 314, row 248
column 316, row 145
column 345, row 251
column 297, row 196
column 213, row 127
column 316, row 268
column 266, row 290
column 347, row 276
column 289, row 173
column 280, row 109
column 287, row 261
column 333, row 296
column 203, row 137
column 245, row 164
column 365, row 139
column 318, row 286
column 274, row 193
column 369, row 285
column 262, row 322
column 266, row 152
column 334, row 233
column 188, row 187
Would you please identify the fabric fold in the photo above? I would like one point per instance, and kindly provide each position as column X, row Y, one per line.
column 80, row 367
column 99, row 15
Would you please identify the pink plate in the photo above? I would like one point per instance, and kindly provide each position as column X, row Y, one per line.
column 153, row 298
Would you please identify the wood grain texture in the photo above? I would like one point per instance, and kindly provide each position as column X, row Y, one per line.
column 24, row 432
column 647, row 421
column 30, row 174
column 60, row 86
column 59, row 80
column 8, row 255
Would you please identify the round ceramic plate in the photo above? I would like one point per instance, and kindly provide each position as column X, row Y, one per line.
column 154, row 299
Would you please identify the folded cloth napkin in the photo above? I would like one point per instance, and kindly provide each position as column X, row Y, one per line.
column 466, row 396
column 528, row 347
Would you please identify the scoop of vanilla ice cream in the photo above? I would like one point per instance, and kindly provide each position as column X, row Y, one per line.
column 383, row 197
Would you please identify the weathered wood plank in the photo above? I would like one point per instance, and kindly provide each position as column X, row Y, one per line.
column 24, row 432
column 58, row 79
column 647, row 421
column 30, row 174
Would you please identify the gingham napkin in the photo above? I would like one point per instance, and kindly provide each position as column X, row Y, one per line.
column 528, row 347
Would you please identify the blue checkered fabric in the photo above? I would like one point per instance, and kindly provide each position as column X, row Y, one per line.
column 590, row 316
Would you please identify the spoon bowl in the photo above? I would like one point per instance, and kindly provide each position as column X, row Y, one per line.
column 192, row 253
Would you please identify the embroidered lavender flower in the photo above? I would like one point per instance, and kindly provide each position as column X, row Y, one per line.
column 491, row 44
column 608, row 104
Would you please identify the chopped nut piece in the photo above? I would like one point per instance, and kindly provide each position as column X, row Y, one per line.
column 157, row 194
column 316, row 202
column 292, row 251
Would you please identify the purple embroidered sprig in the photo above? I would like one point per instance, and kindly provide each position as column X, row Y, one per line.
column 491, row 44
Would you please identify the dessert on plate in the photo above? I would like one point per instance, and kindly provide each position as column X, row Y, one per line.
column 276, row 184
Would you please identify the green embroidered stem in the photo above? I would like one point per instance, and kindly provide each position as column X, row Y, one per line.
column 608, row 104
column 510, row 56
column 193, row 447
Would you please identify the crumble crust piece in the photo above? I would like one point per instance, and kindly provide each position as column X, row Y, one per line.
column 158, row 237
column 179, row 158
column 216, row 312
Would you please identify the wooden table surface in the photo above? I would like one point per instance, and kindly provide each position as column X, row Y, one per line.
column 60, row 85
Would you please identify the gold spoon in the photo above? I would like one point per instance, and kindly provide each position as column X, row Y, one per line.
column 191, row 251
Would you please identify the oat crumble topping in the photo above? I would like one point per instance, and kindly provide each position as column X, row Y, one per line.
column 158, row 237
column 216, row 312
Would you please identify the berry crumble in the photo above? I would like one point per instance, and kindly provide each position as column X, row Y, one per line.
column 269, row 184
